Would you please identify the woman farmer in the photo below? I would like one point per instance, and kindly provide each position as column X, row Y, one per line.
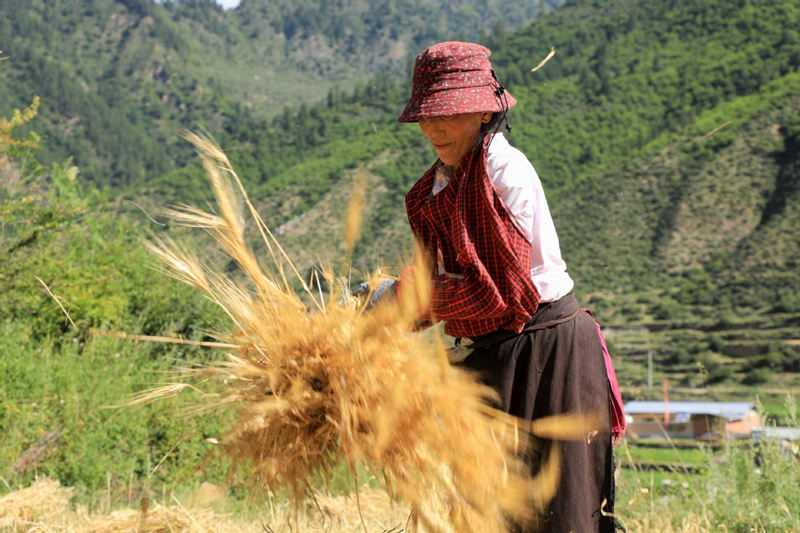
column 498, row 276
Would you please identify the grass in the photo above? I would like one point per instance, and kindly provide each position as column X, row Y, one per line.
column 99, row 450
column 742, row 487
column 636, row 454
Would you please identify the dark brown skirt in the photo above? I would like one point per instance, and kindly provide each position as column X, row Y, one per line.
column 556, row 366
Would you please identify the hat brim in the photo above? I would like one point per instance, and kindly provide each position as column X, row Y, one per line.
column 449, row 102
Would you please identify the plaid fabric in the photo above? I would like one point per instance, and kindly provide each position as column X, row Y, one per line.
column 487, row 285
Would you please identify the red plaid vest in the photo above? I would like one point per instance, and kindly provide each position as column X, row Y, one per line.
column 468, row 224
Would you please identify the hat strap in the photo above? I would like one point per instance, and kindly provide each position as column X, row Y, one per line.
column 502, row 99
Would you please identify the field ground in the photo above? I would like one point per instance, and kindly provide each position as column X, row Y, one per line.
column 696, row 488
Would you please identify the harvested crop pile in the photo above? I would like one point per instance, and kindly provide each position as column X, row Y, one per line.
column 45, row 507
column 319, row 380
column 22, row 509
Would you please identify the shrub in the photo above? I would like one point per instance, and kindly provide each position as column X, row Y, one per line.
column 718, row 372
column 715, row 343
column 757, row 376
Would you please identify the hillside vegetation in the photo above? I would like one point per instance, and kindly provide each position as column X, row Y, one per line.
column 622, row 126
column 119, row 78
column 666, row 137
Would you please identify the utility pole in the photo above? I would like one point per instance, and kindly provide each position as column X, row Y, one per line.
column 649, row 369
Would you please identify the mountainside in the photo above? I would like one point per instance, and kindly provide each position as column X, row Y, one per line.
column 666, row 137
column 665, row 133
column 629, row 107
column 119, row 78
column 342, row 37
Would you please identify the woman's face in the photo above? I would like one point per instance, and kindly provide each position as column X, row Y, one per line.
column 452, row 136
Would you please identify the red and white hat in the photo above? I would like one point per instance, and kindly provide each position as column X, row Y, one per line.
column 452, row 78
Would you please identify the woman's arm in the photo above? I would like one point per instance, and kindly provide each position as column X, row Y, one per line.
column 517, row 184
column 463, row 297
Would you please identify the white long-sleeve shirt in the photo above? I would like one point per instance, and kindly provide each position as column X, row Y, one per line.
column 519, row 186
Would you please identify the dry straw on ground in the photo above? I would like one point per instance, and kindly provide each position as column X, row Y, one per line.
column 44, row 507
column 42, row 500
column 319, row 381
column 161, row 518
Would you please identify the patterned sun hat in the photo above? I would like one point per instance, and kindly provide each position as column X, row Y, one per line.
column 452, row 78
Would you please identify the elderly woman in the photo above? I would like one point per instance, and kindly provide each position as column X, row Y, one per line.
column 498, row 275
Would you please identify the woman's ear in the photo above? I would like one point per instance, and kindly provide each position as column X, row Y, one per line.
column 486, row 117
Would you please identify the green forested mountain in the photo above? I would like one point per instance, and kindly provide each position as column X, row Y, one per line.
column 623, row 109
column 119, row 78
column 116, row 80
column 666, row 137
column 664, row 132
column 342, row 37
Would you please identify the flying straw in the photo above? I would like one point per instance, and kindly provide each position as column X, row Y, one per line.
column 545, row 60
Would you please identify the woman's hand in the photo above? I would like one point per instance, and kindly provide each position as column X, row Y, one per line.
column 385, row 290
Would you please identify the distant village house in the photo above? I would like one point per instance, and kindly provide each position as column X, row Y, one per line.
column 698, row 420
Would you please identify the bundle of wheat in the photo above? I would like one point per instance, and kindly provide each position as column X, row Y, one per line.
column 321, row 383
